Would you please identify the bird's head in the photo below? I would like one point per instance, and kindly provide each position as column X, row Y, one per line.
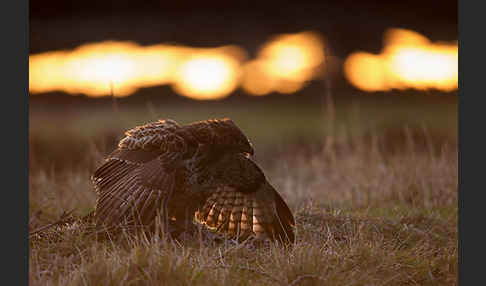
column 222, row 135
column 230, row 137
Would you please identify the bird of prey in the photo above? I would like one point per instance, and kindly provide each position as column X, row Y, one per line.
column 181, row 175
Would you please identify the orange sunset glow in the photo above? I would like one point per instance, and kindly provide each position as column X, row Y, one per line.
column 91, row 69
column 283, row 64
column 408, row 60
column 209, row 74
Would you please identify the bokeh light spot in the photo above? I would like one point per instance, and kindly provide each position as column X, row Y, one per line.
column 207, row 77
column 408, row 60
column 285, row 63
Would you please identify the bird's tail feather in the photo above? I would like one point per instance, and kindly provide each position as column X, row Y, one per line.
column 239, row 215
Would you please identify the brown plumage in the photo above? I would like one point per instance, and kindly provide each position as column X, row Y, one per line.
column 198, row 172
column 239, row 202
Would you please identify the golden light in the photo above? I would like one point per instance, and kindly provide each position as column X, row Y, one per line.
column 293, row 57
column 373, row 79
column 256, row 80
column 424, row 67
column 158, row 64
column 284, row 64
column 403, row 37
column 287, row 61
column 208, row 75
column 408, row 60
column 93, row 68
column 97, row 72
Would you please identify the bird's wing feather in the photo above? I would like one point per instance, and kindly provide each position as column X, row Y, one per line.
column 139, row 176
column 132, row 191
column 239, row 210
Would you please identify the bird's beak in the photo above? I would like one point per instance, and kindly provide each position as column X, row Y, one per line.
column 250, row 152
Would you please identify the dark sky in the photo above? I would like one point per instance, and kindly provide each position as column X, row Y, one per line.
column 431, row 10
column 348, row 24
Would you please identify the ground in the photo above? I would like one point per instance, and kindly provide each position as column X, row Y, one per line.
column 373, row 188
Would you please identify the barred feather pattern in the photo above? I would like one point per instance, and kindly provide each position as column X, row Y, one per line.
column 233, row 213
column 241, row 203
column 239, row 215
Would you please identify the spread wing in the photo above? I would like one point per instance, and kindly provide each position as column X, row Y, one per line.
column 138, row 178
column 242, row 203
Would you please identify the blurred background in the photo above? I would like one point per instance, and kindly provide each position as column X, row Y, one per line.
column 293, row 75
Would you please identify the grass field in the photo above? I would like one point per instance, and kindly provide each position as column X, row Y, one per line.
column 373, row 188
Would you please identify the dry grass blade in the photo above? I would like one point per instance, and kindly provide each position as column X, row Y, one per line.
column 63, row 219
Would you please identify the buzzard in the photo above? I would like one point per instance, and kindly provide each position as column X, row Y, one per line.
column 181, row 175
